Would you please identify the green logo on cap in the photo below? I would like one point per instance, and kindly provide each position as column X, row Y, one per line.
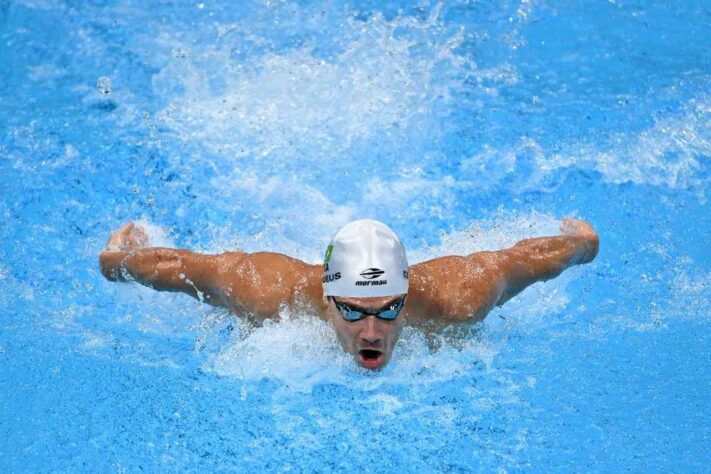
column 327, row 258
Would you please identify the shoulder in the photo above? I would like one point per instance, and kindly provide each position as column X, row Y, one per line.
column 453, row 270
column 454, row 288
column 263, row 267
column 263, row 281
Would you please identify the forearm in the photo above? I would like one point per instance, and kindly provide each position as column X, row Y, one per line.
column 549, row 256
column 540, row 259
column 160, row 268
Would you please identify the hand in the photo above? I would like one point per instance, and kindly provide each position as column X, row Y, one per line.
column 580, row 228
column 577, row 227
column 128, row 238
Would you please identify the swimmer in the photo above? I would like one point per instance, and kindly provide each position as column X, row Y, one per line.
column 365, row 287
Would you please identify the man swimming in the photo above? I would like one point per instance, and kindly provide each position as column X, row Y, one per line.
column 365, row 287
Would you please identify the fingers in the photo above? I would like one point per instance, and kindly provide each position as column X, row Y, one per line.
column 124, row 229
column 141, row 235
column 128, row 237
column 137, row 237
column 576, row 227
column 113, row 244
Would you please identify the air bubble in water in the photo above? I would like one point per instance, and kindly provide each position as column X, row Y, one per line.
column 104, row 84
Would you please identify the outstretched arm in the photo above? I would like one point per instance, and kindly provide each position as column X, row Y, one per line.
column 456, row 288
column 258, row 283
column 126, row 259
column 540, row 259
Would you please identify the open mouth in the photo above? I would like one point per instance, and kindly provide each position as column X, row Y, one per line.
column 370, row 358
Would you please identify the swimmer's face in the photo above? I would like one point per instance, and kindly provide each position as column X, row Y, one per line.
column 369, row 340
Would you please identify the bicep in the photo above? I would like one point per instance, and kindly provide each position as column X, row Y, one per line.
column 263, row 282
column 487, row 280
column 455, row 287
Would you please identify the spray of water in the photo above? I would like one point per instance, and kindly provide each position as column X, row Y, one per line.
column 382, row 79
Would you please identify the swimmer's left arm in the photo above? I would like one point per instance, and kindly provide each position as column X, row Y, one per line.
column 458, row 288
column 540, row 259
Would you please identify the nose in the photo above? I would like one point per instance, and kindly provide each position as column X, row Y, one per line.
column 371, row 333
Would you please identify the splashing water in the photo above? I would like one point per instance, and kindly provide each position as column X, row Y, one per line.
column 465, row 126
column 298, row 105
column 301, row 351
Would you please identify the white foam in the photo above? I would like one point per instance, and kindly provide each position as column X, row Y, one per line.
column 301, row 218
column 389, row 76
column 157, row 236
column 668, row 154
column 301, row 351
column 45, row 73
column 501, row 231
column 95, row 340
column 686, row 295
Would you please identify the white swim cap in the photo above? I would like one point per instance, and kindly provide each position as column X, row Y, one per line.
column 364, row 259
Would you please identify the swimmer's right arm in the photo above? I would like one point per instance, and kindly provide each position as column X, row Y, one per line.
column 259, row 283
column 163, row 269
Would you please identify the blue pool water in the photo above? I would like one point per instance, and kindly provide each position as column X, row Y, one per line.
column 465, row 125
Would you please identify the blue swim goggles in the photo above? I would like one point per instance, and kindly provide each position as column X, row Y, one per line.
column 355, row 313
